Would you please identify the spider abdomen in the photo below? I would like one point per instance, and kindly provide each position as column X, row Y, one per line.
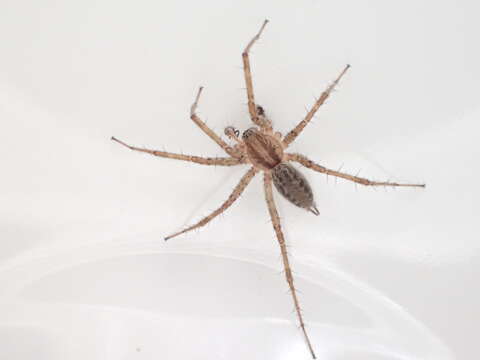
column 294, row 187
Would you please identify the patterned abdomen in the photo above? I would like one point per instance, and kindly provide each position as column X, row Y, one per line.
column 294, row 187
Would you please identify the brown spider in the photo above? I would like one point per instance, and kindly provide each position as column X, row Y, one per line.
column 264, row 149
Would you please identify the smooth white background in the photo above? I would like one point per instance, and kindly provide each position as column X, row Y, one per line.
column 385, row 274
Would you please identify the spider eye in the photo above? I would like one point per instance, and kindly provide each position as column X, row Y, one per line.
column 248, row 132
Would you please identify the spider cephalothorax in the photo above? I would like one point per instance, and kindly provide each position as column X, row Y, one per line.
column 264, row 150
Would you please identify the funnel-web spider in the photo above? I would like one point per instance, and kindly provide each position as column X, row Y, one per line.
column 264, row 150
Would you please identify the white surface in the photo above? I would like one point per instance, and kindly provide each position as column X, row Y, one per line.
column 84, row 273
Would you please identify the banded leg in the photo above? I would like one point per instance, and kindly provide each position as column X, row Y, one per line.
column 252, row 108
column 311, row 165
column 209, row 131
column 244, row 181
column 286, row 264
column 292, row 135
column 222, row 161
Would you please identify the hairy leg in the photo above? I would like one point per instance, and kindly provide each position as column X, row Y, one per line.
column 244, row 181
column 292, row 135
column 286, row 264
column 209, row 131
column 252, row 107
column 311, row 165
column 222, row 161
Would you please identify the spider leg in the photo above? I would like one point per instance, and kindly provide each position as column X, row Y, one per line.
column 292, row 135
column 222, row 161
column 311, row 165
column 207, row 130
column 286, row 264
column 252, row 107
column 244, row 181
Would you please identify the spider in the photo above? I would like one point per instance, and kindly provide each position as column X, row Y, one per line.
column 264, row 150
